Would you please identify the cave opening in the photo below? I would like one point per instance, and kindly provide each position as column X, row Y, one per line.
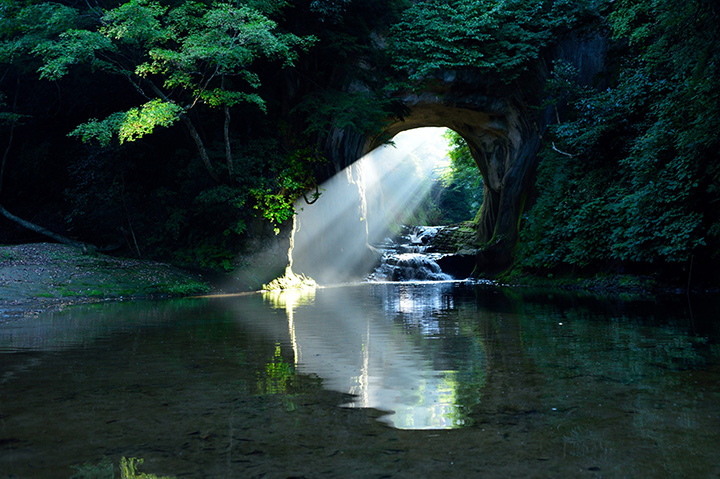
column 411, row 182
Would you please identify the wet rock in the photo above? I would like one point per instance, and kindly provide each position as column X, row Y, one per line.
column 459, row 266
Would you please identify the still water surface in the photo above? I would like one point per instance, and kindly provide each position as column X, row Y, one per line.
column 367, row 380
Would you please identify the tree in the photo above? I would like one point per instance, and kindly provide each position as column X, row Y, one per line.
column 629, row 175
column 500, row 39
column 462, row 178
column 10, row 117
column 175, row 58
column 185, row 61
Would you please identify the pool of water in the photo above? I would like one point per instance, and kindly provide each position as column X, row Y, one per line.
column 366, row 380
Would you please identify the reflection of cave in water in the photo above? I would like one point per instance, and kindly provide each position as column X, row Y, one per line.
column 380, row 343
column 209, row 387
column 418, row 306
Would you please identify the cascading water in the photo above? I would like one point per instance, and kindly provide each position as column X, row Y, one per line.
column 405, row 258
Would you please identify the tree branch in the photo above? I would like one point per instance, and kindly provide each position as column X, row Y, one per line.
column 204, row 87
column 200, row 146
column 570, row 155
column 44, row 231
column 226, row 132
column 193, row 133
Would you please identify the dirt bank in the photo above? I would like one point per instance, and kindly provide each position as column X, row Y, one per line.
column 40, row 276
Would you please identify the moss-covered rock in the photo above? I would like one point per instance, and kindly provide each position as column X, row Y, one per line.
column 455, row 239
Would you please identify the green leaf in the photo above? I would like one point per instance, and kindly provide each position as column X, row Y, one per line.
column 141, row 121
column 130, row 125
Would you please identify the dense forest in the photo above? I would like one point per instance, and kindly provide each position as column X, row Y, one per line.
column 181, row 129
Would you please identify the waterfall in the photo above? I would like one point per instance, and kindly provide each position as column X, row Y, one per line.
column 406, row 258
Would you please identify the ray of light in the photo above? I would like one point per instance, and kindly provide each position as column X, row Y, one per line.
column 361, row 206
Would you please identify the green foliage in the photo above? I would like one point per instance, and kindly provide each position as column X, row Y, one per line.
column 70, row 48
column 137, row 24
column 105, row 470
column 172, row 56
column 204, row 231
column 225, row 40
column 462, row 181
column 294, row 179
column 275, row 207
column 498, row 38
column 128, row 470
column 344, row 82
column 452, row 192
column 181, row 58
column 102, row 131
column 637, row 179
column 360, row 112
column 278, row 376
column 187, row 289
column 628, row 172
column 131, row 125
column 329, row 10
column 211, row 254
column 141, row 121
column 204, row 225
column 267, row 7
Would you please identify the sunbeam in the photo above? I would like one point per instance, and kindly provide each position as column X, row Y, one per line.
column 364, row 204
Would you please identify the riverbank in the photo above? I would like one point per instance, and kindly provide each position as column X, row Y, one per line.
column 459, row 243
column 40, row 276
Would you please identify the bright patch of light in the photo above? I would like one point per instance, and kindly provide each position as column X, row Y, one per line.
column 361, row 205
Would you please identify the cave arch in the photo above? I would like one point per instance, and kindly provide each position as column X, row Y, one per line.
column 502, row 123
column 503, row 137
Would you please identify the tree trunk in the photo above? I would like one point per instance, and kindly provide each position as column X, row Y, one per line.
column 200, row 146
column 45, row 232
column 193, row 133
column 228, row 151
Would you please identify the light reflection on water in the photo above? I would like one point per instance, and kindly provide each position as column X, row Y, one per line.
column 379, row 348
column 631, row 389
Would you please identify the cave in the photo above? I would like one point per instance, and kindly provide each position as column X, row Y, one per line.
column 503, row 125
column 503, row 138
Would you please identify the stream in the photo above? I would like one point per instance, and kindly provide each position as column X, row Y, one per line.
column 386, row 379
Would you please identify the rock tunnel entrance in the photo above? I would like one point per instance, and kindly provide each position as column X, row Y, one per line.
column 502, row 145
column 503, row 139
column 502, row 123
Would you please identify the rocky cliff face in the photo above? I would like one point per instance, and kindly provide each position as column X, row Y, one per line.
column 503, row 127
